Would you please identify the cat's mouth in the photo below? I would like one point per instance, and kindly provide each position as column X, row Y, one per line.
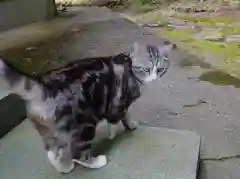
column 164, row 66
column 158, row 70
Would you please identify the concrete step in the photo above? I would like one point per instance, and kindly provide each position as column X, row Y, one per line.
column 147, row 153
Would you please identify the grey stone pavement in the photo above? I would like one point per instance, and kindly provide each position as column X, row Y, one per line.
column 142, row 154
column 169, row 101
column 217, row 121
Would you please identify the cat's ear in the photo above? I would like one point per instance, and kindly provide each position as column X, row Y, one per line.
column 138, row 51
column 166, row 49
column 137, row 48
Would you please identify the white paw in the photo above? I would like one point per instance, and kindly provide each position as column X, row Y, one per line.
column 60, row 167
column 93, row 163
column 112, row 131
column 133, row 125
column 111, row 136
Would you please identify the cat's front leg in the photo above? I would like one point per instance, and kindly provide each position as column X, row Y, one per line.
column 128, row 123
column 81, row 148
column 61, row 160
column 92, row 162
column 112, row 131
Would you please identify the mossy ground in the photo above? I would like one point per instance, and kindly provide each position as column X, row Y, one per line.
column 224, row 55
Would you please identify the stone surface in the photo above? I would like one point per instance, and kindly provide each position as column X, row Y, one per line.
column 229, row 169
column 145, row 153
column 233, row 38
column 88, row 32
column 21, row 12
column 47, row 30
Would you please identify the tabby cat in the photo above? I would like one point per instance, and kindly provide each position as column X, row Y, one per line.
column 66, row 104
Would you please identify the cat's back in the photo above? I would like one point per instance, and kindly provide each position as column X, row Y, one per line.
column 84, row 67
column 75, row 70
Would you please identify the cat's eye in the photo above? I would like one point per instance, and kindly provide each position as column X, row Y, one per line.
column 138, row 68
column 141, row 69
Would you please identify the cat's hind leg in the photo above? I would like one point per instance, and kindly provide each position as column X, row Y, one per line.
column 56, row 144
column 60, row 161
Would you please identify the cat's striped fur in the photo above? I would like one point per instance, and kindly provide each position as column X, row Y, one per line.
column 66, row 104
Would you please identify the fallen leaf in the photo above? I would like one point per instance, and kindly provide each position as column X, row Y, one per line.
column 28, row 60
column 75, row 30
column 31, row 48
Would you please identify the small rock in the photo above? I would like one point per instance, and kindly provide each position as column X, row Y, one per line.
column 75, row 30
column 28, row 60
column 157, row 24
column 172, row 113
column 222, row 46
column 220, row 24
column 233, row 38
column 31, row 48
column 215, row 38
column 236, row 60
column 177, row 24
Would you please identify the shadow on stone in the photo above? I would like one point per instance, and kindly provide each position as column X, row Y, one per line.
column 218, row 77
column 12, row 112
column 190, row 60
column 105, row 145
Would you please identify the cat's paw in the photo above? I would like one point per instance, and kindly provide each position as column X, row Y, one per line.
column 133, row 125
column 111, row 136
column 94, row 162
column 67, row 169
column 112, row 131
column 60, row 167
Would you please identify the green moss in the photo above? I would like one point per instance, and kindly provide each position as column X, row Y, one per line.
column 223, row 53
column 220, row 78
column 140, row 8
column 45, row 56
column 207, row 19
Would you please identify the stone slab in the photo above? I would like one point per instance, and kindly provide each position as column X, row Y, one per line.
column 228, row 169
column 147, row 153
column 81, row 33
column 49, row 29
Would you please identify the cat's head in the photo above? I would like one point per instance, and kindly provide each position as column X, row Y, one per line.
column 150, row 62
